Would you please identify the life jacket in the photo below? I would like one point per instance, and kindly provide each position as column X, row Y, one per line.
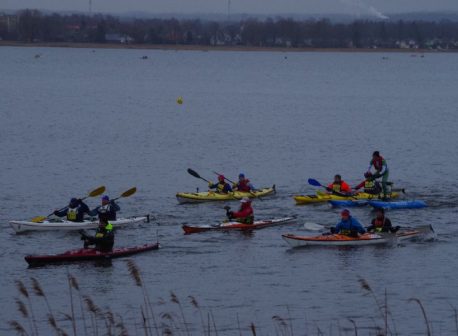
column 107, row 211
column 378, row 163
column 249, row 218
column 72, row 213
column 221, row 186
column 379, row 224
column 351, row 232
column 372, row 187
column 108, row 229
column 337, row 187
column 243, row 185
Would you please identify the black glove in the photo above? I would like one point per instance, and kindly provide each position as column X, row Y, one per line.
column 230, row 214
column 227, row 208
column 333, row 230
column 55, row 212
column 395, row 229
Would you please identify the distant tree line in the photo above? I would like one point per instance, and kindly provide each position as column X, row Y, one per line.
column 34, row 26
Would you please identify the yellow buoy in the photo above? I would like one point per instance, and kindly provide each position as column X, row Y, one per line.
column 180, row 100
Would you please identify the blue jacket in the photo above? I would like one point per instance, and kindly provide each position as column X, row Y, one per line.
column 351, row 224
column 226, row 189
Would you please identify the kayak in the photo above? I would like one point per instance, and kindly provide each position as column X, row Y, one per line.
column 398, row 204
column 404, row 234
column 420, row 232
column 322, row 197
column 209, row 196
column 347, row 203
column 65, row 225
column 88, row 254
column 236, row 226
column 336, row 240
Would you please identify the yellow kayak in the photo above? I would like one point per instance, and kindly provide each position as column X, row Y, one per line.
column 209, row 196
column 323, row 197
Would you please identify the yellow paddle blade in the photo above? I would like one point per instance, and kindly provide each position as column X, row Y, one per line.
column 96, row 192
column 38, row 219
column 129, row 192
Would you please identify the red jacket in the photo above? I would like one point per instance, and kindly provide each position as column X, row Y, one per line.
column 245, row 212
column 244, row 185
column 344, row 187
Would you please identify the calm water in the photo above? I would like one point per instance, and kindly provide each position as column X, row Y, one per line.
column 74, row 119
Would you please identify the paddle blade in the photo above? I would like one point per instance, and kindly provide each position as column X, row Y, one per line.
column 38, row 219
column 129, row 192
column 96, row 192
column 314, row 182
column 193, row 173
column 313, row 226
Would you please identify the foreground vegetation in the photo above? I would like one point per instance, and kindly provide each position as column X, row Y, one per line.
column 85, row 317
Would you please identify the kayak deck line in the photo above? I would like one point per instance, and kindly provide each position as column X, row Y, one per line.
column 87, row 254
column 210, row 196
column 237, row 226
column 65, row 225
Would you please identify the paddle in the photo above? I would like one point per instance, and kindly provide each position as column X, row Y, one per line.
column 252, row 193
column 315, row 183
column 96, row 192
column 194, row 173
column 126, row 193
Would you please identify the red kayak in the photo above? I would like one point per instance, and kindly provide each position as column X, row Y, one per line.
column 188, row 229
column 88, row 254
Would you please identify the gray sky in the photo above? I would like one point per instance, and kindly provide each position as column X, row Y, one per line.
column 355, row 7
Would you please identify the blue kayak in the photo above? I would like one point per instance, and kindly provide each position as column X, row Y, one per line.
column 348, row 203
column 398, row 204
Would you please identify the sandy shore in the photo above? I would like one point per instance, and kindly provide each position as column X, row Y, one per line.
column 204, row 48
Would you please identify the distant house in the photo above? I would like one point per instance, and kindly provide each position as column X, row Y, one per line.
column 118, row 38
column 10, row 22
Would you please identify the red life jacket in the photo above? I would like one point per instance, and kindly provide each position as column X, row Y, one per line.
column 378, row 163
column 243, row 185
column 379, row 223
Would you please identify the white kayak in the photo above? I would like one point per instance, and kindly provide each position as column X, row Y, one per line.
column 65, row 225
column 405, row 234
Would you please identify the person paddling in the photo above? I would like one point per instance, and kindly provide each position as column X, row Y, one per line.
column 243, row 184
column 381, row 223
column 222, row 186
column 339, row 185
column 74, row 211
column 371, row 186
column 108, row 209
column 104, row 236
column 245, row 214
column 348, row 225
column 381, row 170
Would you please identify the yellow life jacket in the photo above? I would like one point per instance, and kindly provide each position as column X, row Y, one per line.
column 72, row 214
column 336, row 187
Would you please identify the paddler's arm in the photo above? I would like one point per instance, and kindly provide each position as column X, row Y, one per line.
column 61, row 213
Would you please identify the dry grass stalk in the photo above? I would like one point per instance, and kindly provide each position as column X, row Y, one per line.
column 17, row 327
column 21, row 288
column 72, row 309
column 134, row 272
column 73, row 282
column 37, row 288
column 354, row 326
column 253, row 329
column 145, row 322
column 428, row 330
column 174, row 299
column 22, row 308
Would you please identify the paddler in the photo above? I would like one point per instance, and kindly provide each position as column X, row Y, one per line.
column 108, row 209
column 371, row 186
column 74, row 211
column 339, row 185
column 348, row 225
column 381, row 223
column 104, row 236
column 381, row 170
column 245, row 214
column 243, row 184
column 222, row 186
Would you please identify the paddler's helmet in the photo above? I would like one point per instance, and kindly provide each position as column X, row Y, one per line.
column 345, row 212
column 73, row 203
column 367, row 174
column 105, row 199
column 241, row 175
column 245, row 200
column 221, row 178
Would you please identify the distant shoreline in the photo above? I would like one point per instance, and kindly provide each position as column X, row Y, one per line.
column 183, row 47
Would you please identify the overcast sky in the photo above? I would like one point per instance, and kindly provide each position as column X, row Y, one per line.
column 355, row 7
